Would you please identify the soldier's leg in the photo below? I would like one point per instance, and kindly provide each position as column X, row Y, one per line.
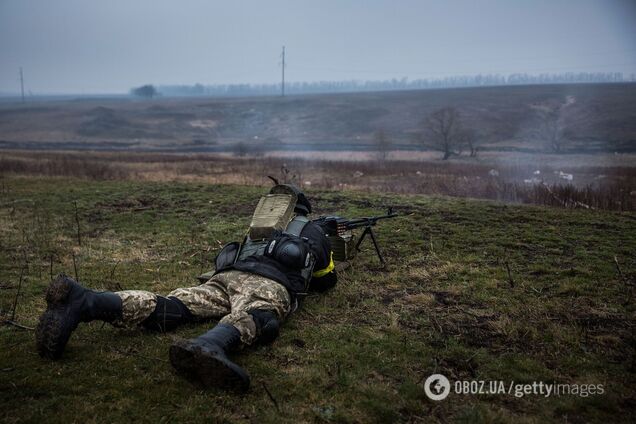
column 257, row 306
column 68, row 304
column 151, row 311
column 205, row 301
column 181, row 306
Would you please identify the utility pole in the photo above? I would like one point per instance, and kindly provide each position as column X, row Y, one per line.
column 282, row 86
column 22, row 84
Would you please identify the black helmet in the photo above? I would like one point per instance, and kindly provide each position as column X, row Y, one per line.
column 302, row 204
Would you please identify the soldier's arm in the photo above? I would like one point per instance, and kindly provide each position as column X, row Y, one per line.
column 324, row 276
column 323, row 280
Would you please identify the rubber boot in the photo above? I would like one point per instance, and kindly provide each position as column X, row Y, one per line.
column 204, row 359
column 68, row 304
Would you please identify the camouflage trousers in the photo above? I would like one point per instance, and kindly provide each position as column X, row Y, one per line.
column 227, row 296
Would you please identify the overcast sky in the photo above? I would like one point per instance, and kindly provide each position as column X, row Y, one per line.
column 108, row 46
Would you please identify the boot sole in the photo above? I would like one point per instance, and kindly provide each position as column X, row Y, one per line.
column 48, row 339
column 199, row 366
column 57, row 291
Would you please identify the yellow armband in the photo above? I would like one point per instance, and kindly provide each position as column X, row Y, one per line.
column 323, row 272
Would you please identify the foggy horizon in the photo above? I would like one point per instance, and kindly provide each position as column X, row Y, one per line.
column 76, row 47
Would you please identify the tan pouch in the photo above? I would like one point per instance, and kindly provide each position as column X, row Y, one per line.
column 272, row 213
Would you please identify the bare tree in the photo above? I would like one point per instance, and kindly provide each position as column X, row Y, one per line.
column 240, row 149
column 382, row 144
column 550, row 126
column 443, row 127
column 470, row 138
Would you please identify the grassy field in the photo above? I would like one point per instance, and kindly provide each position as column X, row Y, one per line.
column 476, row 290
column 601, row 118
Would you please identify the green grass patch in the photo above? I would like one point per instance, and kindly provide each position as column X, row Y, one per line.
column 475, row 290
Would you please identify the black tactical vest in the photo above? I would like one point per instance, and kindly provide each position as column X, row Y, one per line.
column 294, row 228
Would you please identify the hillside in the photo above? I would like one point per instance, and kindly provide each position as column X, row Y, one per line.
column 601, row 117
column 476, row 290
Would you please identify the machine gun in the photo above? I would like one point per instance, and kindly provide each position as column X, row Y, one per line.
column 340, row 233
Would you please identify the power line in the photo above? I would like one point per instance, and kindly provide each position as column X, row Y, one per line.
column 282, row 85
column 22, row 84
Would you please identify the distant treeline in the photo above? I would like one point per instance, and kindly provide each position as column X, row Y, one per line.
column 393, row 84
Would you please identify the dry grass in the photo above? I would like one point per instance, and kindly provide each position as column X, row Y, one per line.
column 594, row 185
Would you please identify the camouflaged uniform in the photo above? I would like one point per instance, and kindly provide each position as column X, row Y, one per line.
column 227, row 296
column 252, row 291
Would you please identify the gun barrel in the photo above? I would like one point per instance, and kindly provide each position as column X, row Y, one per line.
column 336, row 225
column 367, row 221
